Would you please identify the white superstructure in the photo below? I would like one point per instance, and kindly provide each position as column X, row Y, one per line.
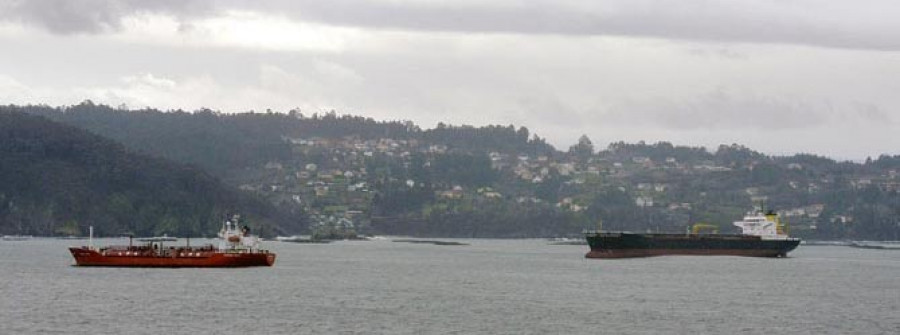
column 235, row 237
column 765, row 225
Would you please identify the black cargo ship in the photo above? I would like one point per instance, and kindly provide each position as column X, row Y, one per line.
column 762, row 236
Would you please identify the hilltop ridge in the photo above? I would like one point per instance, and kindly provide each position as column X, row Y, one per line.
column 57, row 179
column 500, row 181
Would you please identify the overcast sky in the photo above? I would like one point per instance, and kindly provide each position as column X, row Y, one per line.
column 779, row 76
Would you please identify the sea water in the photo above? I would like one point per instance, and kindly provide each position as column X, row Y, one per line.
column 486, row 287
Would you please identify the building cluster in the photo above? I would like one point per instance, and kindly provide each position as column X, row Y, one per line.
column 338, row 176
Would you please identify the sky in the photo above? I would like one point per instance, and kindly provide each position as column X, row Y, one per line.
column 778, row 76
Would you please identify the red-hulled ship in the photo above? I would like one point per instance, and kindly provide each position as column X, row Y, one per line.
column 237, row 249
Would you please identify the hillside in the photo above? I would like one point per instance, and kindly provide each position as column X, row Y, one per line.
column 57, row 180
column 501, row 181
column 227, row 144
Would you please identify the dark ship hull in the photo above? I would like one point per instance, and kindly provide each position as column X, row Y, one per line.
column 623, row 245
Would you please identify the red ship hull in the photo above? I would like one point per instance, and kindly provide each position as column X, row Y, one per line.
column 145, row 257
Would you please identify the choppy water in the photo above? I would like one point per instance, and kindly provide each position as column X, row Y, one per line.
column 488, row 287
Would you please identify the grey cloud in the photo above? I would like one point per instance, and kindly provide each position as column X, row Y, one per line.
column 847, row 25
column 867, row 24
column 92, row 16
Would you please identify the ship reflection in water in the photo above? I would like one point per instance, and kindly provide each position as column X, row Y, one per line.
column 762, row 235
column 237, row 249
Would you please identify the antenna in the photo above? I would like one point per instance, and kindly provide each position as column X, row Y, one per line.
column 761, row 202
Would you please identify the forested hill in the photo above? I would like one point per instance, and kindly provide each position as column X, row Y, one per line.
column 226, row 144
column 392, row 177
column 57, row 179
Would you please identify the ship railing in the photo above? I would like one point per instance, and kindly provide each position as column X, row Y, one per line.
column 124, row 248
column 603, row 232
